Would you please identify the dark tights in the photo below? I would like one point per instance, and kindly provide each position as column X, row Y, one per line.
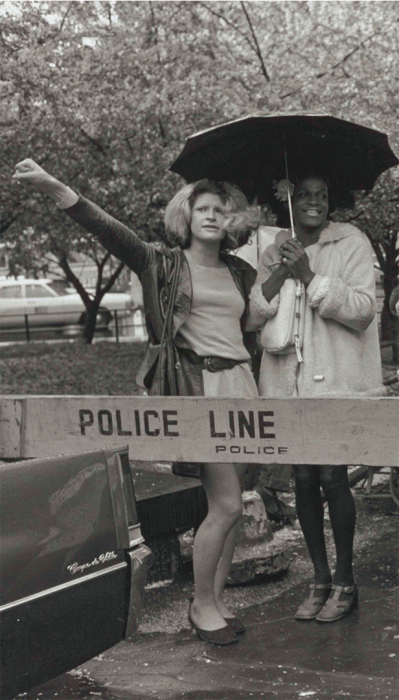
column 341, row 506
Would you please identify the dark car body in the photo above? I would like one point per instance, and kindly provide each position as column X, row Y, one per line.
column 73, row 564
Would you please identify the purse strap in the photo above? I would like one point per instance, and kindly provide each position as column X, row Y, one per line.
column 299, row 292
column 167, row 325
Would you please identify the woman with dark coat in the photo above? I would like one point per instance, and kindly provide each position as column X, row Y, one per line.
column 206, row 219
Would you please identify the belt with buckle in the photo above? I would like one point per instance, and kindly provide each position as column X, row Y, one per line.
column 216, row 364
column 210, row 363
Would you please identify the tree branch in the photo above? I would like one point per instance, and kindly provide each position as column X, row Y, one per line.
column 355, row 216
column 64, row 17
column 81, row 170
column 129, row 145
column 109, row 13
column 229, row 24
column 347, row 57
column 7, row 163
column 100, row 265
column 113, row 277
column 257, row 47
column 93, row 141
column 70, row 275
column 330, row 70
column 6, row 223
column 254, row 46
column 155, row 31
column 162, row 131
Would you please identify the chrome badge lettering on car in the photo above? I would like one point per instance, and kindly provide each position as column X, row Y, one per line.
column 77, row 568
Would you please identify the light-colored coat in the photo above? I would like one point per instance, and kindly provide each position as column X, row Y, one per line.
column 340, row 348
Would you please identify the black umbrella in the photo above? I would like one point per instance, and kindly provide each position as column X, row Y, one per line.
column 251, row 152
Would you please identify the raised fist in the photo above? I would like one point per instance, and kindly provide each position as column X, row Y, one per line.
column 30, row 172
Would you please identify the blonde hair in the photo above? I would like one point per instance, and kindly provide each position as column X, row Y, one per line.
column 241, row 219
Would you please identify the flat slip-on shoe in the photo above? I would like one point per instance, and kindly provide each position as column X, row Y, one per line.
column 236, row 624
column 335, row 607
column 310, row 608
column 220, row 637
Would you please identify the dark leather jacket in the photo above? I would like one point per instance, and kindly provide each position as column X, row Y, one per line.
column 153, row 264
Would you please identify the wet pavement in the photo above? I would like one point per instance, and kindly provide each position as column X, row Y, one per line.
column 356, row 657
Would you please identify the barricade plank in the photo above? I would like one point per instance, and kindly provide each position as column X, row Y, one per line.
column 286, row 431
column 11, row 426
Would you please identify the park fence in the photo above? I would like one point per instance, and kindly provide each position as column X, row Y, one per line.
column 122, row 325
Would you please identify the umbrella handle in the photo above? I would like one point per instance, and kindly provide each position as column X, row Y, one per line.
column 291, row 216
column 288, row 190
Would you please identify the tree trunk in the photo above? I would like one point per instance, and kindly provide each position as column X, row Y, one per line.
column 395, row 347
column 90, row 322
column 386, row 322
column 389, row 322
column 92, row 305
column 387, row 319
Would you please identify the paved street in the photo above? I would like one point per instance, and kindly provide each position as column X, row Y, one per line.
column 278, row 657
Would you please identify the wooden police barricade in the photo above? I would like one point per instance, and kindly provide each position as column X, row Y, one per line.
column 191, row 429
column 286, row 431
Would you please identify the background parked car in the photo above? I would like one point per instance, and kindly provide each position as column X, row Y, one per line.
column 51, row 303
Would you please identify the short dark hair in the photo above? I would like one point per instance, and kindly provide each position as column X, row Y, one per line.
column 338, row 198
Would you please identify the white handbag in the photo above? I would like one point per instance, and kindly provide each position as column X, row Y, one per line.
column 283, row 333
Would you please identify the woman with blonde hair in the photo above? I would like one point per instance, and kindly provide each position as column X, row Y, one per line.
column 205, row 219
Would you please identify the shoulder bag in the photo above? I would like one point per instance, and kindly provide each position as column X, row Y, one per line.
column 166, row 381
column 168, row 353
column 283, row 333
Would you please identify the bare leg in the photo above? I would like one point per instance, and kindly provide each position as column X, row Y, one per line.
column 311, row 517
column 342, row 511
column 222, row 488
column 224, row 565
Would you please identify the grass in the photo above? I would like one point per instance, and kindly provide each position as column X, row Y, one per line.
column 101, row 369
column 70, row 368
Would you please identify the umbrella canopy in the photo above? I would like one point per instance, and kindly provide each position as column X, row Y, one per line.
column 250, row 152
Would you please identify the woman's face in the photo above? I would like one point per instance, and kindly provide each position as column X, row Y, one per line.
column 207, row 218
column 310, row 203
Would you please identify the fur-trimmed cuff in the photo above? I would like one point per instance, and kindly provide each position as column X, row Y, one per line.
column 317, row 290
column 260, row 306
